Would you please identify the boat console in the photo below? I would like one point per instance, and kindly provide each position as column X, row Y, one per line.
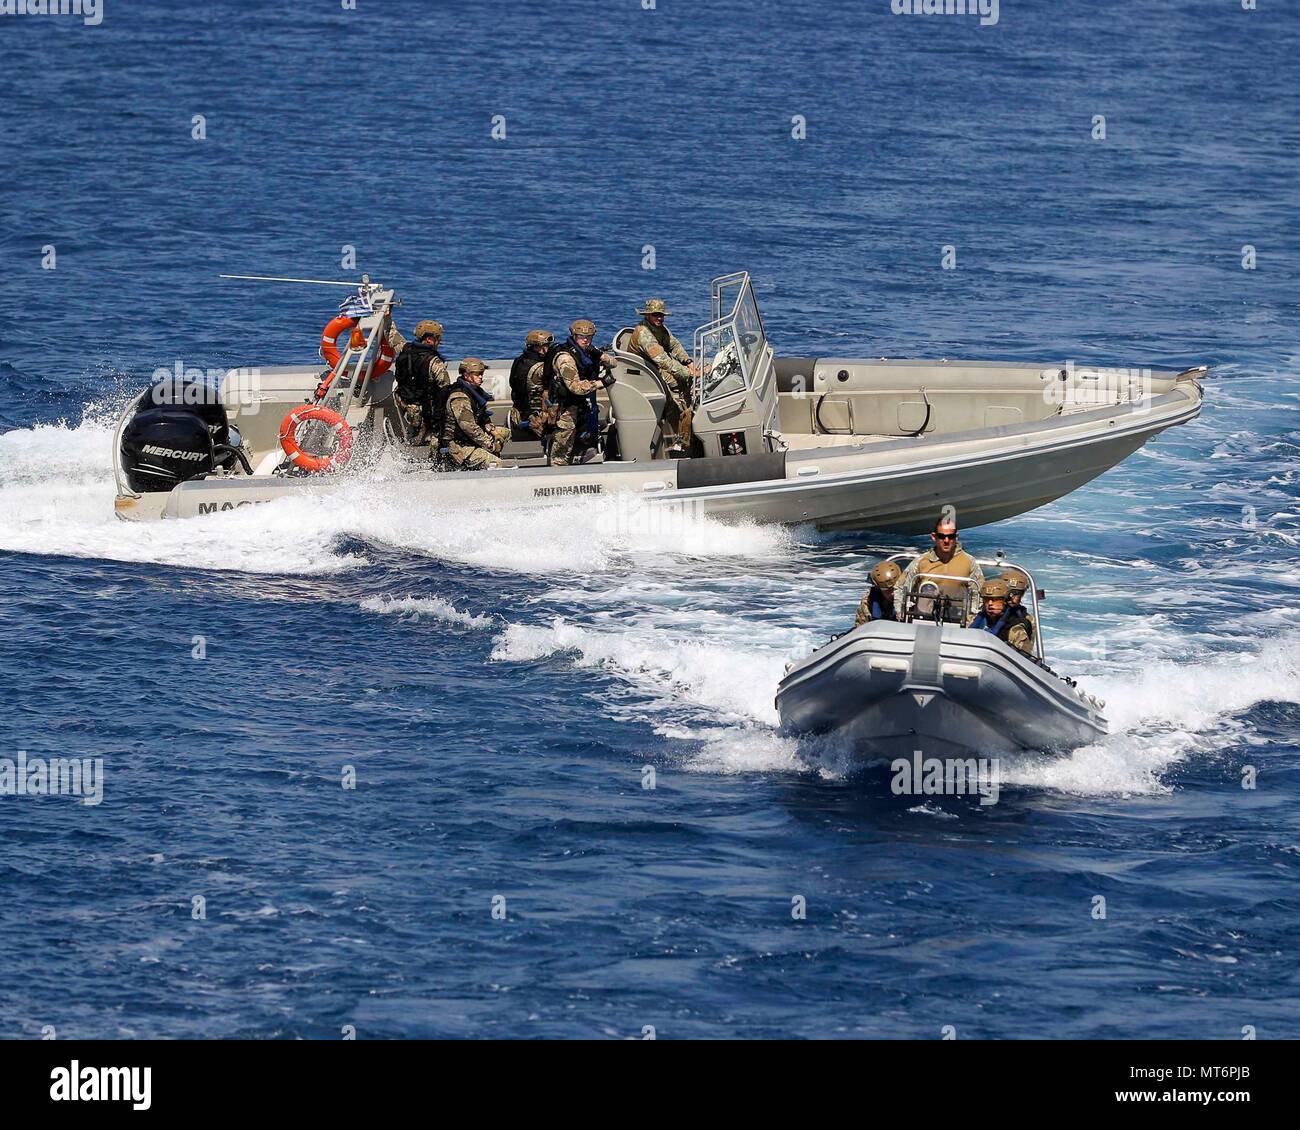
column 940, row 599
column 737, row 403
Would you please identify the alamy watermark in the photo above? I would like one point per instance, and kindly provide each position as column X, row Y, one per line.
column 190, row 386
column 1069, row 386
column 90, row 11
column 60, row 776
column 947, row 776
column 987, row 10
column 76, row 1083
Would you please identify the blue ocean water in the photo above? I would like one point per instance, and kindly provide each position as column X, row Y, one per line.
column 500, row 681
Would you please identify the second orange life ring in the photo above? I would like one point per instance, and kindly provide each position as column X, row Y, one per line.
column 330, row 351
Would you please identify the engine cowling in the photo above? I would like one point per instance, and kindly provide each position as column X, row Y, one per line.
column 165, row 446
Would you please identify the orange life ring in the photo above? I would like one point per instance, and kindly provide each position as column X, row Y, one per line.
column 289, row 438
column 330, row 351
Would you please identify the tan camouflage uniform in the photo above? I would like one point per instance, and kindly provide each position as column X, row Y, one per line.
column 570, row 421
column 541, row 412
column 672, row 361
column 1019, row 584
column 961, row 564
column 1019, row 638
column 414, row 411
column 471, row 447
column 864, row 610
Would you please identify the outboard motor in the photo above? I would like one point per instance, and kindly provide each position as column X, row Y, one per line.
column 162, row 447
column 180, row 431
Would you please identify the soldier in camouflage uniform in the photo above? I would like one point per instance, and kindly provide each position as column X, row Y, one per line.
column 576, row 373
column 528, row 385
column 995, row 617
column 1018, row 585
column 420, row 373
column 651, row 340
column 878, row 602
column 470, row 439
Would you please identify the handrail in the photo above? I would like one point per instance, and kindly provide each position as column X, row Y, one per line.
column 352, row 382
column 1002, row 565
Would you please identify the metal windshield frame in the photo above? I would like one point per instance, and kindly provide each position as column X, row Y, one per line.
column 726, row 323
column 1001, row 565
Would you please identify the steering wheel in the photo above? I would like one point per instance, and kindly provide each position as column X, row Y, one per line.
column 725, row 364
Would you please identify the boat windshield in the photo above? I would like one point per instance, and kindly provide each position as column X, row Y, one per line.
column 730, row 349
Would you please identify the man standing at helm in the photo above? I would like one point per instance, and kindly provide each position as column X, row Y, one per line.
column 420, row 372
column 467, row 434
column 947, row 559
column 576, row 372
column 651, row 340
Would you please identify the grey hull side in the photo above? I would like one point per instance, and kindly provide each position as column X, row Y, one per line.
column 988, row 475
column 894, row 486
column 890, row 690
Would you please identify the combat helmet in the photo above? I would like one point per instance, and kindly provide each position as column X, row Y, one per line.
column 539, row 338
column 1016, row 581
column 995, row 589
column 472, row 365
column 428, row 328
column 886, row 575
column 582, row 328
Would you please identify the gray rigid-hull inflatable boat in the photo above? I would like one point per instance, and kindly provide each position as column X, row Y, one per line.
column 890, row 689
column 842, row 444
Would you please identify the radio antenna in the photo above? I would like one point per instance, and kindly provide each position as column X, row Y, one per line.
column 365, row 280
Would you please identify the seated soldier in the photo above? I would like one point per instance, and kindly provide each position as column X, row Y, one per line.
column 1018, row 585
column 878, row 603
column 652, row 340
column 996, row 618
column 532, row 411
column 577, row 370
column 420, row 378
column 472, row 442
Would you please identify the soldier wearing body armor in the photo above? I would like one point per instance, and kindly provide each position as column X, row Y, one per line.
column 947, row 559
column 575, row 371
column 471, row 441
column 996, row 617
column 651, row 340
column 420, row 377
column 878, row 604
column 532, row 409
column 1017, row 586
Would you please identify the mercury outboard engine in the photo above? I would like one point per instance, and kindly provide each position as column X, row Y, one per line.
column 180, row 431
column 162, row 447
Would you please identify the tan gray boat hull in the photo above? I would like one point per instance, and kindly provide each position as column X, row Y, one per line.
column 891, row 690
column 893, row 484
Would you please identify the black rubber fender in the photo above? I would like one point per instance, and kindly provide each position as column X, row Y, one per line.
column 727, row 469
